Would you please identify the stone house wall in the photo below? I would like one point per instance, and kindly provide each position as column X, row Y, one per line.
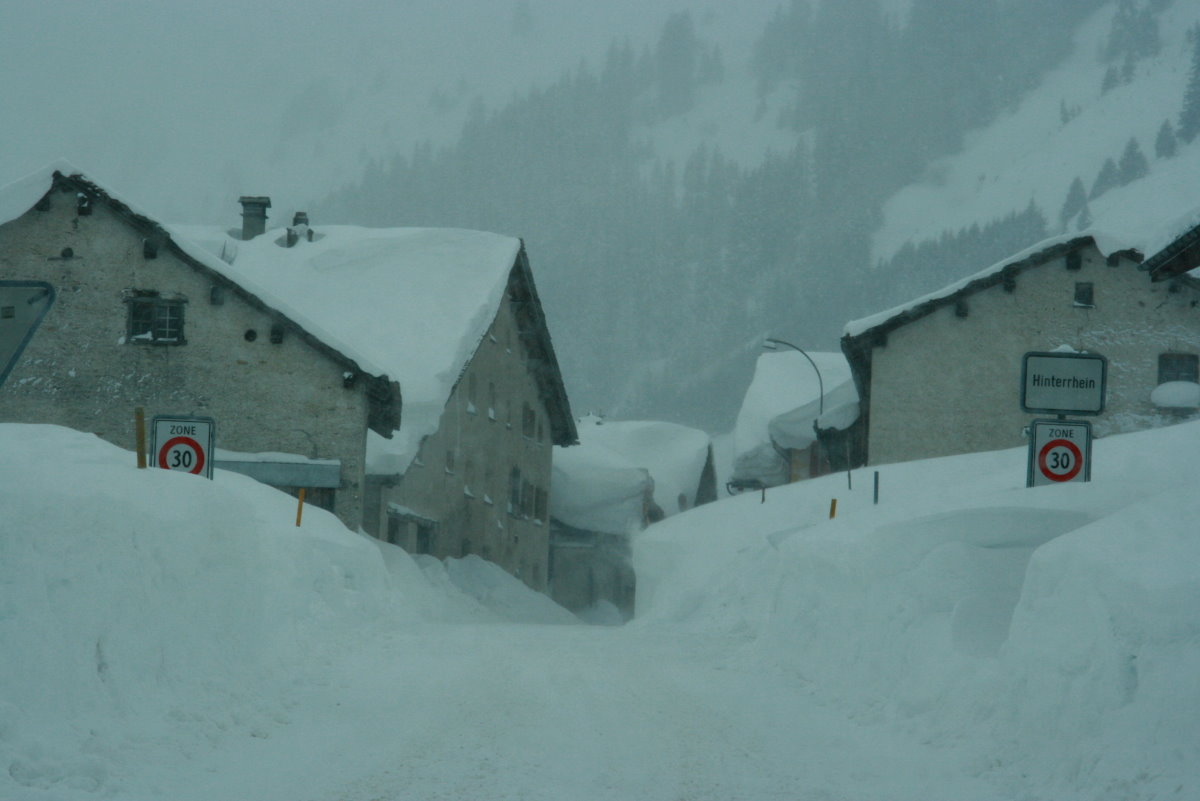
column 82, row 371
column 945, row 383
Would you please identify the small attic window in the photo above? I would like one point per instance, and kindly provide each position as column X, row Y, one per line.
column 1085, row 295
column 83, row 204
column 277, row 334
column 1074, row 261
column 960, row 308
column 1178, row 367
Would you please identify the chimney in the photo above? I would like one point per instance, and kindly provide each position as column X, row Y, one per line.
column 254, row 215
column 299, row 229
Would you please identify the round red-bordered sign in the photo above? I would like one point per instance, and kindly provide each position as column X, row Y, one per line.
column 1076, row 462
column 184, row 442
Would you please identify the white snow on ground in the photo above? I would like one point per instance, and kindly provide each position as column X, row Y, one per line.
column 1031, row 154
column 967, row 639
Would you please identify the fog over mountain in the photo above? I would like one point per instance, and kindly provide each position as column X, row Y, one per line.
column 687, row 176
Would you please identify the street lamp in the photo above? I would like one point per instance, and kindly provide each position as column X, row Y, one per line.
column 773, row 344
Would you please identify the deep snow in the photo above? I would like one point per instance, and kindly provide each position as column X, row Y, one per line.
column 164, row 636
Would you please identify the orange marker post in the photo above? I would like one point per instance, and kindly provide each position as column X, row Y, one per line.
column 300, row 508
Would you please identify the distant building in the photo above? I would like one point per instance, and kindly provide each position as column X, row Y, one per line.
column 621, row 477
column 942, row 375
column 794, row 419
column 404, row 377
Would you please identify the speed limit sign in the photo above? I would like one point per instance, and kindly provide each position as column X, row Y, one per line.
column 1060, row 451
column 184, row 444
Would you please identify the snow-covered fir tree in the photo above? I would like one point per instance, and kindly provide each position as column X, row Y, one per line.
column 1133, row 163
column 1108, row 178
column 1165, row 143
column 1189, row 117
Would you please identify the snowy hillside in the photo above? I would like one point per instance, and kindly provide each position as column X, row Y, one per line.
column 965, row 640
column 1066, row 129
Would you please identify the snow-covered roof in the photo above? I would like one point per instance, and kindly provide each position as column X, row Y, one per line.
column 1040, row 253
column 785, row 398
column 597, row 489
column 675, row 455
column 412, row 302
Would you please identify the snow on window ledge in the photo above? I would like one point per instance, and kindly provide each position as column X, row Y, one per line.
column 1176, row 395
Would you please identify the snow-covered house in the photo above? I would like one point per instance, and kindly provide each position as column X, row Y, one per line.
column 601, row 499
column 679, row 459
column 941, row 375
column 794, row 419
column 145, row 318
column 405, row 377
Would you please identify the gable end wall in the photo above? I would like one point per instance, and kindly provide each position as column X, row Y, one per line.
column 945, row 384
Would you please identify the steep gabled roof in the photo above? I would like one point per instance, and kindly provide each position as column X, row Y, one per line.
column 878, row 325
column 418, row 302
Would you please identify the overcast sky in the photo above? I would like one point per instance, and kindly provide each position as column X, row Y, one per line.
column 184, row 106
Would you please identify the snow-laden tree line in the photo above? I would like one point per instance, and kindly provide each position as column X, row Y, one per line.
column 658, row 277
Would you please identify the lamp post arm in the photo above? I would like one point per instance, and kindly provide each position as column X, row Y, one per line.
column 820, row 381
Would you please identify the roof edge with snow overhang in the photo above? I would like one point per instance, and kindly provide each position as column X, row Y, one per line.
column 1177, row 259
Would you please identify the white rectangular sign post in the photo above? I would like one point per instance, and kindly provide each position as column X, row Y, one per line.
column 1063, row 383
column 1060, row 451
column 186, row 444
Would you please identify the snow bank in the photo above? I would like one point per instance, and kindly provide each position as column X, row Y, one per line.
column 146, row 612
column 1048, row 633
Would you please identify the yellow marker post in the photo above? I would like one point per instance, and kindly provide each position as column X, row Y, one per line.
column 833, row 508
column 300, row 508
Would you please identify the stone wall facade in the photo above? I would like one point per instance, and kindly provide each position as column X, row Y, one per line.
column 483, row 479
column 949, row 382
column 83, row 370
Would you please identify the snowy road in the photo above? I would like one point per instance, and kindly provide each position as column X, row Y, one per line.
column 507, row 711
